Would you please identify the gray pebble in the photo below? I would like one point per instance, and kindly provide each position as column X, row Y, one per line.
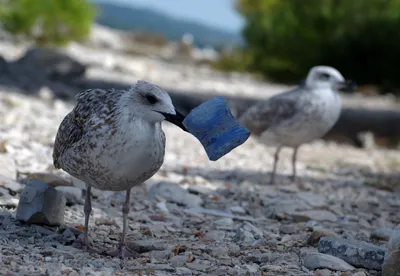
column 183, row 271
column 10, row 185
column 381, row 234
column 318, row 233
column 68, row 235
column 73, row 195
column 317, row 215
column 314, row 200
column 238, row 210
column 356, row 253
column 199, row 190
column 41, row 204
column 179, row 260
column 247, row 233
column 319, row 260
column 174, row 193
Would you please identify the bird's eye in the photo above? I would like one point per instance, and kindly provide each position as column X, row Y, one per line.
column 151, row 99
column 324, row 76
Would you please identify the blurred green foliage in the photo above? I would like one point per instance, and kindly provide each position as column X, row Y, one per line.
column 285, row 38
column 48, row 22
column 237, row 59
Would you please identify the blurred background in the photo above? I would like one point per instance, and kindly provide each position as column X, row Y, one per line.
column 243, row 49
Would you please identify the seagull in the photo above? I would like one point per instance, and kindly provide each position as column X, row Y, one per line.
column 113, row 140
column 298, row 116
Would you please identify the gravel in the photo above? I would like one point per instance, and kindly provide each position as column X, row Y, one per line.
column 194, row 217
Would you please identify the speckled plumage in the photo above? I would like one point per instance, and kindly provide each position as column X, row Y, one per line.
column 298, row 116
column 92, row 143
column 113, row 140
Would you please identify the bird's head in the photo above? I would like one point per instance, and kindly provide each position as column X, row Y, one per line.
column 153, row 104
column 328, row 77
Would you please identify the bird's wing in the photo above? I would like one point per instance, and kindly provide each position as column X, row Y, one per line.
column 89, row 103
column 270, row 113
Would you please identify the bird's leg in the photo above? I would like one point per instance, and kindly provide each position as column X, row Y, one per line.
column 87, row 210
column 123, row 251
column 276, row 158
column 294, row 157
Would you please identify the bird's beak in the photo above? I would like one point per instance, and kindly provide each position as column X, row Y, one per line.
column 176, row 119
column 348, row 86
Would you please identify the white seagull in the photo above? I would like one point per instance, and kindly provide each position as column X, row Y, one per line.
column 299, row 116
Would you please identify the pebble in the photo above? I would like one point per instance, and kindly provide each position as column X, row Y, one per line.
column 383, row 234
column 199, row 190
column 216, row 235
column 224, row 222
column 314, row 200
column 197, row 266
column 174, row 193
column 283, row 207
column 183, row 271
column 68, row 235
column 73, row 195
column 319, row 260
column 288, row 229
column 269, row 257
column 8, row 202
column 9, row 184
column 219, row 251
column 238, row 210
column 318, row 233
column 8, row 167
column 178, row 261
column 218, row 213
column 358, row 273
column 41, row 204
column 356, row 253
column 247, row 233
column 43, row 230
column 391, row 263
column 317, row 215
column 323, row 272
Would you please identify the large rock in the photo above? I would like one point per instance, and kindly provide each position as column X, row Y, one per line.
column 356, row 253
column 41, row 204
column 43, row 67
column 318, row 260
column 56, row 65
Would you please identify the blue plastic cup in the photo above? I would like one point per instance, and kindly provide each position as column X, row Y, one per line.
column 213, row 124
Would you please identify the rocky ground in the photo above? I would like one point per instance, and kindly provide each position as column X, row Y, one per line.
column 198, row 217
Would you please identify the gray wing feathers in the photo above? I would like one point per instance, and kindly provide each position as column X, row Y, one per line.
column 72, row 128
column 68, row 133
column 269, row 113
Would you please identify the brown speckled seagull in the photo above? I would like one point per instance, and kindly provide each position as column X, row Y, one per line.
column 113, row 140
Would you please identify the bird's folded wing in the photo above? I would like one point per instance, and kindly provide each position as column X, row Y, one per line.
column 269, row 113
column 72, row 128
column 68, row 134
